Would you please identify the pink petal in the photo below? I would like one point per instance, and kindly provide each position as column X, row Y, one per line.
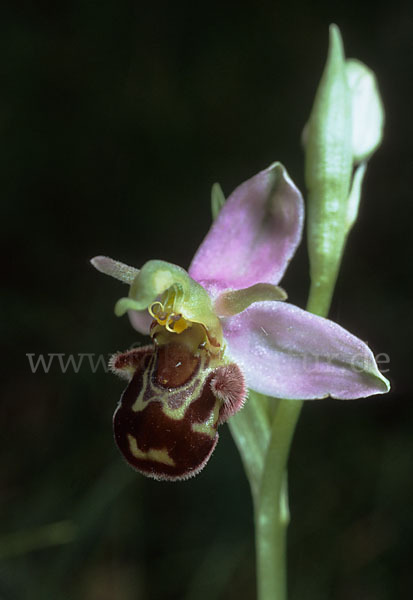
column 254, row 236
column 287, row 352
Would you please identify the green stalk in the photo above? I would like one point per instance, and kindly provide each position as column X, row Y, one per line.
column 320, row 297
column 271, row 510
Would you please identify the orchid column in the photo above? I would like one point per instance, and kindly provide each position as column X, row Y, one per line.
column 344, row 129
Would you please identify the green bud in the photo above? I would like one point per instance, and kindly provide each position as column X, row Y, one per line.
column 329, row 161
column 344, row 129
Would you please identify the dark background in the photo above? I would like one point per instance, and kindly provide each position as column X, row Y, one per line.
column 115, row 119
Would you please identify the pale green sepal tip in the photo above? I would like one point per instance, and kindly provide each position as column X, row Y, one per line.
column 367, row 110
column 386, row 383
column 217, row 200
column 365, row 364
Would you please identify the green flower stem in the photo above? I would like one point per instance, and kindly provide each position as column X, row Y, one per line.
column 271, row 510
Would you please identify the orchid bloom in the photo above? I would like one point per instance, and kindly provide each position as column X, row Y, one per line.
column 222, row 328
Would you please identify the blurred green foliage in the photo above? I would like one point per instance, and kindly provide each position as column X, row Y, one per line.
column 116, row 118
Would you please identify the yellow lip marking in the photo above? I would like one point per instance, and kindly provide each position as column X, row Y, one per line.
column 156, row 455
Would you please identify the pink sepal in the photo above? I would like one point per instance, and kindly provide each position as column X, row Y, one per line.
column 287, row 352
column 254, row 236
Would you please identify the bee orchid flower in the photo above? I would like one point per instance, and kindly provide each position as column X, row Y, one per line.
column 223, row 327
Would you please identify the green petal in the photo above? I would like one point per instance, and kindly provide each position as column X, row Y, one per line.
column 234, row 302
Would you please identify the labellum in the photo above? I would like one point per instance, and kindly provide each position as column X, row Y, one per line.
column 179, row 391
